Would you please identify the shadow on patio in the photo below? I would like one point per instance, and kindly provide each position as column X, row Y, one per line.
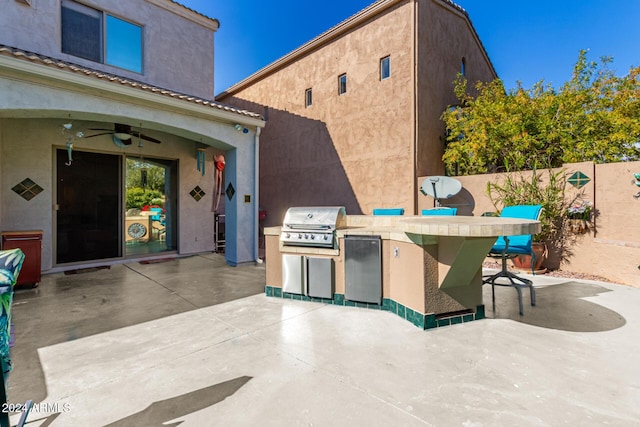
column 564, row 306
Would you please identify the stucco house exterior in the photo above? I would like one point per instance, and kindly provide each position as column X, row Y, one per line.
column 354, row 114
column 87, row 87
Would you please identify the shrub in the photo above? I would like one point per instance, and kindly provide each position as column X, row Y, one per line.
column 139, row 197
column 520, row 188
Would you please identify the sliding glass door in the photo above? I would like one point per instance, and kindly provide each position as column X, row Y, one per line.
column 88, row 206
column 151, row 205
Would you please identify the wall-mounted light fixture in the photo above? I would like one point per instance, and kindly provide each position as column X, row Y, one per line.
column 241, row 128
column 122, row 136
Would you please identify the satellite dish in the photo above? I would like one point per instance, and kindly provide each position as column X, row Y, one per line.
column 440, row 187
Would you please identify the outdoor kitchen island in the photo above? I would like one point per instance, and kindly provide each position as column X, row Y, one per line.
column 431, row 266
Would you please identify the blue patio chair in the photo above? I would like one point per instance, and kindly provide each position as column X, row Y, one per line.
column 388, row 211
column 158, row 223
column 440, row 211
column 157, row 215
column 511, row 246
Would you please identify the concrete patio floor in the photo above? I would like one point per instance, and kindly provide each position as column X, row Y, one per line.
column 195, row 342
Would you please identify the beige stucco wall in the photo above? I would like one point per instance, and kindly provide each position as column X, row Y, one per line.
column 612, row 249
column 33, row 110
column 445, row 37
column 359, row 149
column 168, row 39
column 353, row 150
column 28, row 150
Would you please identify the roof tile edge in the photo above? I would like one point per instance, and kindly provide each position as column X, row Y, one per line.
column 70, row 67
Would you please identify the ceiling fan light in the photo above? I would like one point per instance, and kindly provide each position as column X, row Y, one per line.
column 122, row 136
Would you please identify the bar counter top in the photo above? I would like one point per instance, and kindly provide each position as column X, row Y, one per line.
column 397, row 228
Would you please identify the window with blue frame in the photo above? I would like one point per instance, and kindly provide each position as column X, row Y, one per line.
column 97, row 36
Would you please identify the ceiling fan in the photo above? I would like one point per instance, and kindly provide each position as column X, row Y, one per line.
column 123, row 134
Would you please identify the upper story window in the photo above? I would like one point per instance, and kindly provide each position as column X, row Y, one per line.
column 97, row 36
column 308, row 98
column 385, row 68
column 342, row 84
column 463, row 67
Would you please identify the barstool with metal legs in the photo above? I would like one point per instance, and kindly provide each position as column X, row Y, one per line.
column 507, row 247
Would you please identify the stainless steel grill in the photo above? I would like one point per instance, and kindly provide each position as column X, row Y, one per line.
column 312, row 226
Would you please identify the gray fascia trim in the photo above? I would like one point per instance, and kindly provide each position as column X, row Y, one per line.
column 67, row 77
column 187, row 13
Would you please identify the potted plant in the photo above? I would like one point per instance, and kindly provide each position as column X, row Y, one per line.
column 536, row 188
column 579, row 216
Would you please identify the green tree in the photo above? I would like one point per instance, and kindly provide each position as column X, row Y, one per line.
column 137, row 198
column 144, row 174
column 595, row 116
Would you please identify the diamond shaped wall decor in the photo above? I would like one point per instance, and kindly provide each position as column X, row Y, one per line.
column 27, row 189
column 197, row 193
column 230, row 191
column 579, row 180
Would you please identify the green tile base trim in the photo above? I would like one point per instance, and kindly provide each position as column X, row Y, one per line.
column 422, row 321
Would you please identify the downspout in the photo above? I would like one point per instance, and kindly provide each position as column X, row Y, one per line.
column 256, row 197
column 416, row 117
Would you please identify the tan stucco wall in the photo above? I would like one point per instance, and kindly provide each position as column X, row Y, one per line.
column 358, row 150
column 612, row 250
column 353, row 150
column 170, row 41
column 445, row 37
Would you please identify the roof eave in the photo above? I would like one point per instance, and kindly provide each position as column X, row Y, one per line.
column 332, row 34
column 187, row 13
column 200, row 107
column 319, row 41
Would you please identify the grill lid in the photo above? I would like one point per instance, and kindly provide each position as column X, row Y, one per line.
column 327, row 218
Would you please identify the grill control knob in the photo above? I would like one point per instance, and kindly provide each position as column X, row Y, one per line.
column 313, row 236
column 288, row 235
column 299, row 236
column 326, row 237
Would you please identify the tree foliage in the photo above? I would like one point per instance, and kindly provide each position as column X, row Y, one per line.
column 145, row 183
column 138, row 198
column 144, row 174
column 595, row 116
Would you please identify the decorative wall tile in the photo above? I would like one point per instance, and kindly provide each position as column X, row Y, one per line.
column 579, row 180
column 230, row 191
column 422, row 321
column 197, row 193
column 27, row 189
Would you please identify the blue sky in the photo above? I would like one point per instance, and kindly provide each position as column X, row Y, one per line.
column 527, row 40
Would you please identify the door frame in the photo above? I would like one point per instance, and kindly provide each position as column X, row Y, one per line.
column 55, row 207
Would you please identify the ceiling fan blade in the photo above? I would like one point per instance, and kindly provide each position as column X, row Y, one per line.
column 120, row 128
column 148, row 138
column 120, row 142
column 99, row 134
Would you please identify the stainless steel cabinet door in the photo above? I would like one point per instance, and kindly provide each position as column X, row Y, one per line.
column 320, row 277
column 363, row 268
column 293, row 274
